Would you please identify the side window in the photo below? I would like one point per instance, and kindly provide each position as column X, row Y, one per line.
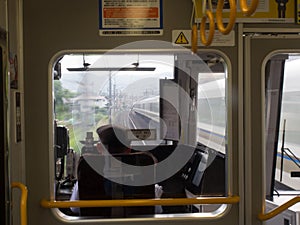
column 282, row 127
column 140, row 93
column 289, row 132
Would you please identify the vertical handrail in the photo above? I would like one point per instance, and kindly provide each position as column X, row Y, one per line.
column 23, row 205
column 194, row 38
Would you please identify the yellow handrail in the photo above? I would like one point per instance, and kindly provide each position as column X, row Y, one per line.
column 279, row 209
column 219, row 17
column 210, row 16
column 194, row 38
column 23, row 206
column 248, row 11
column 139, row 202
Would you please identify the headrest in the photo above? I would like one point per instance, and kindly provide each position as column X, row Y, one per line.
column 114, row 136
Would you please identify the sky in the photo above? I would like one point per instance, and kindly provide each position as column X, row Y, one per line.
column 99, row 80
column 292, row 81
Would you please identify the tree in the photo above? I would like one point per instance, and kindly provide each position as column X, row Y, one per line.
column 62, row 102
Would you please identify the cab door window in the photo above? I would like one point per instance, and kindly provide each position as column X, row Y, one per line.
column 132, row 91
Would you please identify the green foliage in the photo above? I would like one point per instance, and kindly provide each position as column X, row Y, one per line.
column 100, row 113
column 62, row 101
column 77, row 127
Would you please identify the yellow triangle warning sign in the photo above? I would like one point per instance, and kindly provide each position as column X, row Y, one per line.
column 181, row 39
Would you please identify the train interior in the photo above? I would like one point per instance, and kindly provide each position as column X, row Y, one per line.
column 138, row 92
column 212, row 124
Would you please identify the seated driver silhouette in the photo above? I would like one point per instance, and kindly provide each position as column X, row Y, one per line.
column 114, row 140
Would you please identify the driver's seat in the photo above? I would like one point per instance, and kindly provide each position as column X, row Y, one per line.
column 94, row 182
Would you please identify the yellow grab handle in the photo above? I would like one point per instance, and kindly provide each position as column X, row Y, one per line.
column 23, row 206
column 139, row 202
column 194, row 38
column 219, row 17
column 211, row 33
column 279, row 209
column 248, row 11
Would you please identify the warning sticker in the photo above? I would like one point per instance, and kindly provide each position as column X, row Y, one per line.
column 130, row 17
column 181, row 39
